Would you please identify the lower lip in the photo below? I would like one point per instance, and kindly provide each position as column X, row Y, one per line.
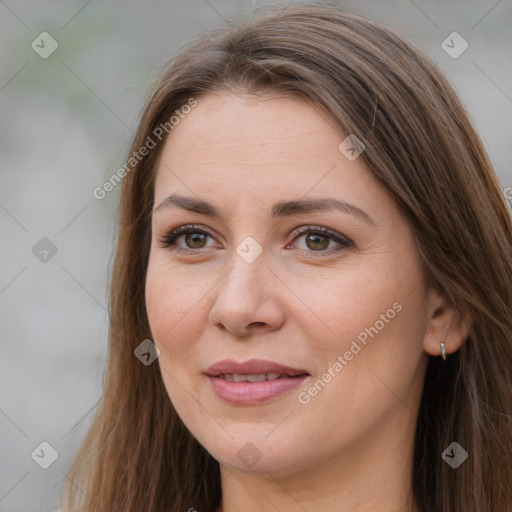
column 248, row 393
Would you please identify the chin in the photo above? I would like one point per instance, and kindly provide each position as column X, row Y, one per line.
column 255, row 452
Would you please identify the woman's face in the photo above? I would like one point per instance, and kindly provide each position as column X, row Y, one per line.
column 329, row 324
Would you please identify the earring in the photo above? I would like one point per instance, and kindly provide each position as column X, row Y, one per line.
column 443, row 351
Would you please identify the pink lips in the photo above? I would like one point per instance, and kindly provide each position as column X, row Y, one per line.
column 281, row 379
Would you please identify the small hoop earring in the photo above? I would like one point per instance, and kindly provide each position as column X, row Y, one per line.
column 443, row 351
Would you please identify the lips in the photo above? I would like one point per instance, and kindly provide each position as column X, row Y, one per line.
column 255, row 377
column 253, row 381
column 252, row 367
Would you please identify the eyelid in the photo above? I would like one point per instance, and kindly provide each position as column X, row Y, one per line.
column 341, row 239
column 169, row 237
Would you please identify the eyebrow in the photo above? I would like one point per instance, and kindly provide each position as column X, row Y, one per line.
column 279, row 210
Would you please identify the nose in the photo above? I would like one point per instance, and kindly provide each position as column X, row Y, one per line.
column 246, row 302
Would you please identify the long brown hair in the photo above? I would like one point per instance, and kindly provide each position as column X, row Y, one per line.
column 420, row 144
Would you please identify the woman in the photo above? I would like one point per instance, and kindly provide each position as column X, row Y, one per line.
column 311, row 300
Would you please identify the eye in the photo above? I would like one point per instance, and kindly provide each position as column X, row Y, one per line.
column 194, row 237
column 319, row 239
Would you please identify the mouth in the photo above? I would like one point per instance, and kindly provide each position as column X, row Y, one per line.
column 257, row 377
column 254, row 381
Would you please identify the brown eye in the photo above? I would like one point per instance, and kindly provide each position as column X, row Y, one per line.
column 317, row 242
column 195, row 240
column 320, row 240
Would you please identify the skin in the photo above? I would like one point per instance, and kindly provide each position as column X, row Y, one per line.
column 350, row 447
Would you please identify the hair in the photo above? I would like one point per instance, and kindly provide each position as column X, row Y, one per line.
column 421, row 146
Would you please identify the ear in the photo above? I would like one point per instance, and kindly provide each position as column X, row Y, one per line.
column 444, row 324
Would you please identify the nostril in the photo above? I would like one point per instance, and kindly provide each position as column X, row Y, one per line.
column 257, row 323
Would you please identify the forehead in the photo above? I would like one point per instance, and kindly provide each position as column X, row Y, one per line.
column 229, row 125
column 260, row 148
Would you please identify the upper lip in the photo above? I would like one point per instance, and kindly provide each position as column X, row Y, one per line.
column 252, row 367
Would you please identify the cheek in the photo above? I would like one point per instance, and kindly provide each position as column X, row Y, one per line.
column 173, row 300
column 177, row 309
column 354, row 303
column 374, row 317
column 172, row 306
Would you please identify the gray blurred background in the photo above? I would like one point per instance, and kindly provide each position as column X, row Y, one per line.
column 66, row 121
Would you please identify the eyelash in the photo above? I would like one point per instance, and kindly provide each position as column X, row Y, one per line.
column 167, row 241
